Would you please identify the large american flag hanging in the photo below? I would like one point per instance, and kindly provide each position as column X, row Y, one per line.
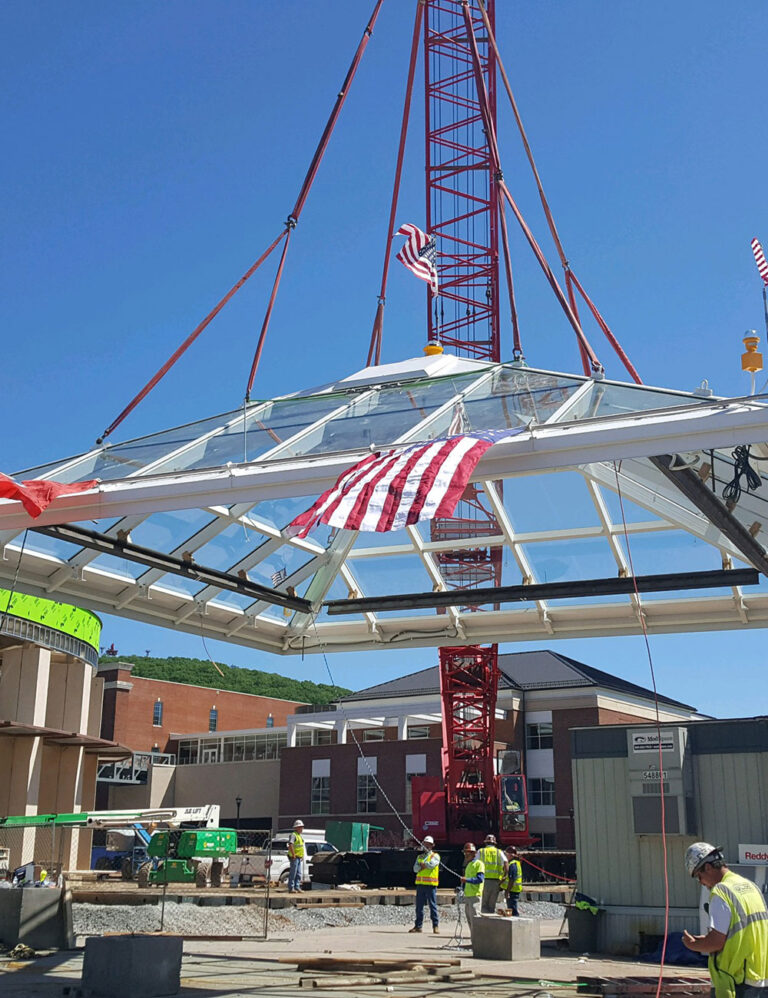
column 419, row 254
column 396, row 488
column 762, row 266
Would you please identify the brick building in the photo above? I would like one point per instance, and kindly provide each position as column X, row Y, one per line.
column 393, row 732
column 145, row 713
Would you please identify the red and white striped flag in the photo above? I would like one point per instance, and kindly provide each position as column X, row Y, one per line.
column 397, row 488
column 37, row 494
column 762, row 266
column 419, row 254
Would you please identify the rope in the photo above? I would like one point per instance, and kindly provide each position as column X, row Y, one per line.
column 658, row 732
column 270, row 305
column 567, row 880
column 742, row 469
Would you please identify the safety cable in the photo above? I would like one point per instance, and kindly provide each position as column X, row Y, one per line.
column 12, row 590
column 567, row 880
column 374, row 350
column 641, row 614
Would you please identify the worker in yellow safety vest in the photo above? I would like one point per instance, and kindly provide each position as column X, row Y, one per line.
column 427, row 870
column 512, row 882
column 737, row 940
column 474, row 875
column 495, row 863
column 295, row 856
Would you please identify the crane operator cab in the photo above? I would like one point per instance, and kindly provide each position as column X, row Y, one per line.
column 512, row 803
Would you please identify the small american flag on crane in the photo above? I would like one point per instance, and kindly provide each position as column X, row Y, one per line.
column 396, row 488
column 419, row 254
column 279, row 576
column 762, row 266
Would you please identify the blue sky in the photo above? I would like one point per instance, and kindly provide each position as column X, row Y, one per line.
column 151, row 151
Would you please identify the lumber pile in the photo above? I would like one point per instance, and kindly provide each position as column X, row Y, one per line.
column 358, row 972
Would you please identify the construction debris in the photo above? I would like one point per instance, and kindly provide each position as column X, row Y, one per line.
column 678, row 986
column 349, row 972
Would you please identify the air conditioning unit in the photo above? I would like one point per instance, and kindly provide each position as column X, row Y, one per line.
column 648, row 778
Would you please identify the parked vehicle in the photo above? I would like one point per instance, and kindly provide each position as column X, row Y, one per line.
column 273, row 862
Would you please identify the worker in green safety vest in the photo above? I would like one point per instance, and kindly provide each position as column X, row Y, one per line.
column 427, row 870
column 474, row 875
column 512, row 882
column 737, row 940
column 295, row 856
column 495, row 863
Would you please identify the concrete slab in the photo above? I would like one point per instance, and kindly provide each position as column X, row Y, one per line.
column 495, row 937
column 127, row 966
column 40, row 917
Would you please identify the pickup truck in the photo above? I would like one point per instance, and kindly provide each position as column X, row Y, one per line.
column 246, row 867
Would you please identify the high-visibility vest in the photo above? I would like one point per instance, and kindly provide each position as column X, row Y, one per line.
column 298, row 845
column 427, row 876
column 513, row 882
column 493, row 861
column 744, row 957
column 472, row 869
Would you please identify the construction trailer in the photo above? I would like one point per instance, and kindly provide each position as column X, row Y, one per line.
column 714, row 777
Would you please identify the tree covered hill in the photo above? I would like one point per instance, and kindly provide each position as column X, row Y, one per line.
column 201, row 672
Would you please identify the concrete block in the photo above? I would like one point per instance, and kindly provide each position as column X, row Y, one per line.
column 126, row 966
column 496, row 937
column 40, row 917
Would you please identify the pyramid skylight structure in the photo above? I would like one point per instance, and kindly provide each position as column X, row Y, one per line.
column 597, row 463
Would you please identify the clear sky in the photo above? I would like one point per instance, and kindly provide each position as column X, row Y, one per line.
column 151, row 151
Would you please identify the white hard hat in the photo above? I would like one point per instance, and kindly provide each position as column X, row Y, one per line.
column 429, row 839
column 700, row 853
column 298, row 823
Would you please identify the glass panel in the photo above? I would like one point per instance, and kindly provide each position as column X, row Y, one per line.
column 549, row 502
column 618, row 400
column 168, row 531
column 571, row 560
column 514, row 397
column 386, row 415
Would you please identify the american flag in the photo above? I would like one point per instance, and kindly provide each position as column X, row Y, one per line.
column 418, row 254
column 279, row 576
column 396, row 488
column 762, row 266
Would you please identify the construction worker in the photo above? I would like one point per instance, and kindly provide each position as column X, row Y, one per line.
column 737, row 940
column 427, row 870
column 295, row 856
column 474, row 875
column 495, row 863
column 512, row 882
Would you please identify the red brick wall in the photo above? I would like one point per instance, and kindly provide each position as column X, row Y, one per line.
column 296, row 782
column 127, row 714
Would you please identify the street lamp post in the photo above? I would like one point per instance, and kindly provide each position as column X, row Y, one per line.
column 238, row 802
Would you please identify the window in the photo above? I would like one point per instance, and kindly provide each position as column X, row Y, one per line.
column 188, row 753
column 324, row 736
column 303, row 737
column 415, row 765
column 373, row 734
column 366, row 793
column 320, row 801
column 418, row 731
column 270, row 721
column 157, row 713
column 538, row 735
column 213, row 719
column 541, row 791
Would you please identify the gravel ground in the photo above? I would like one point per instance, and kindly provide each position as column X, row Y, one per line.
column 189, row 919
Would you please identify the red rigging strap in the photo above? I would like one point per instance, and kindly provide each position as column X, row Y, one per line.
column 189, row 340
column 267, row 316
column 342, row 95
column 605, row 328
column 575, row 310
column 289, row 225
column 374, row 350
column 492, row 144
column 569, row 276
